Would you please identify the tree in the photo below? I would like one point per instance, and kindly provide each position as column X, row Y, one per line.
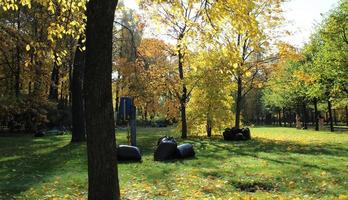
column 179, row 18
column 78, row 104
column 326, row 61
column 101, row 144
column 241, row 29
column 320, row 76
column 284, row 89
column 209, row 109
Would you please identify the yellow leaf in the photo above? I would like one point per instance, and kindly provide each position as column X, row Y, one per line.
column 27, row 47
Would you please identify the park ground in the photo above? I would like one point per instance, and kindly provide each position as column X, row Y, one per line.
column 278, row 163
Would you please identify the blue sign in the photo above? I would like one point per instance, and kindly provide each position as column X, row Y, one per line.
column 126, row 108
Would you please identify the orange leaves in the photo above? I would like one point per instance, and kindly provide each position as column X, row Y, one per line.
column 151, row 47
column 149, row 78
column 288, row 53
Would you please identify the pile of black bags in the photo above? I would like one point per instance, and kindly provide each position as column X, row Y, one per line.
column 128, row 153
column 167, row 149
column 236, row 134
column 49, row 132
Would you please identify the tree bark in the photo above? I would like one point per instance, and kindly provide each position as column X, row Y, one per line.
column 279, row 118
column 183, row 119
column 335, row 116
column 329, row 106
column 305, row 115
column 238, row 102
column 316, row 116
column 346, row 108
column 101, row 144
column 78, row 103
column 38, row 84
column 183, row 97
column 53, row 94
column 209, row 125
column 327, row 118
column 18, row 58
column 284, row 118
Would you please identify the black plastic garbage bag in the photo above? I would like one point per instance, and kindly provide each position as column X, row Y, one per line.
column 237, row 134
column 165, row 138
column 185, row 151
column 166, row 149
column 39, row 134
column 128, row 153
column 246, row 133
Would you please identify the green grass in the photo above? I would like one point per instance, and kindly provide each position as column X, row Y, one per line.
column 279, row 163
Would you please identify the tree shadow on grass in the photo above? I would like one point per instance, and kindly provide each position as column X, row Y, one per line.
column 18, row 175
column 282, row 149
column 147, row 140
column 258, row 145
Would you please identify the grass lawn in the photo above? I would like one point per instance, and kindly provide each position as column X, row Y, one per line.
column 279, row 163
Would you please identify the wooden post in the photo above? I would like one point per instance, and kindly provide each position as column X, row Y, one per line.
column 132, row 124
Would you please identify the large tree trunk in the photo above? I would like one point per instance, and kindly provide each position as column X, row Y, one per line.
column 238, row 102
column 78, row 103
column 316, row 115
column 70, row 65
column 183, row 97
column 53, row 94
column 38, row 84
column 329, row 106
column 18, row 58
column 101, row 144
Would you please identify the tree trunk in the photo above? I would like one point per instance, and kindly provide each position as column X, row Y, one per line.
column 18, row 58
column 327, row 118
column 209, row 125
column 70, row 66
column 346, row 108
column 335, row 116
column 183, row 119
column 183, row 97
column 38, row 90
column 132, row 124
column 238, row 102
column 101, row 144
column 53, row 94
column 279, row 118
column 38, row 84
column 284, row 118
column 305, row 115
column 316, row 116
column 62, row 85
column 330, row 115
column 78, row 103
column 145, row 113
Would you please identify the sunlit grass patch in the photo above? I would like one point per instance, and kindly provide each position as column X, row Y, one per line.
column 278, row 163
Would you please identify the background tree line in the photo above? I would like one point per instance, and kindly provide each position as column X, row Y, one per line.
column 313, row 82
